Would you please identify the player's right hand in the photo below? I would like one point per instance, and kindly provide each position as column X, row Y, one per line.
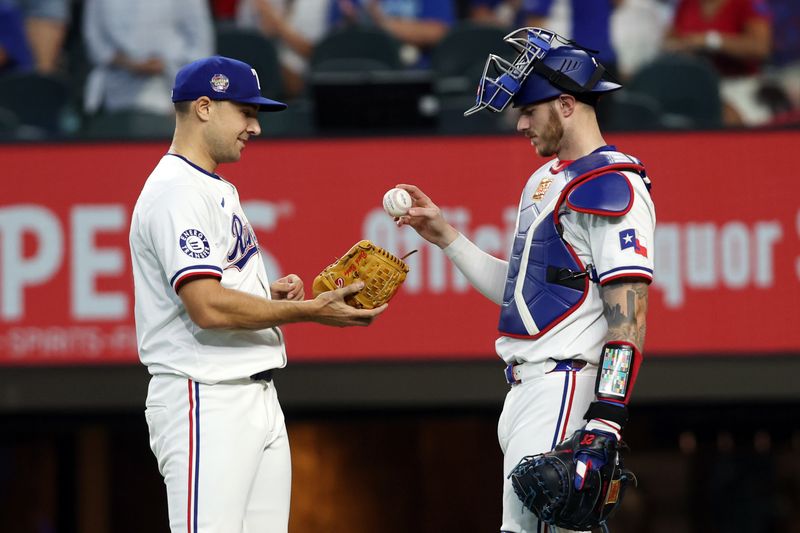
column 332, row 310
column 426, row 218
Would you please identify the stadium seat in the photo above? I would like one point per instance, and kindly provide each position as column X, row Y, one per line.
column 8, row 124
column 451, row 119
column 295, row 121
column 458, row 60
column 356, row 48
column 630, row 111
column 686, row 87
column 38, row 101
column 77, row 66
column 256, row 50
column 129, row 125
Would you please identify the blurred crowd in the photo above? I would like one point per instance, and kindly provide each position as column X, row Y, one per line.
column 93, row 58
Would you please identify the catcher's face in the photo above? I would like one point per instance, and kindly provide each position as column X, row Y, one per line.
column 541, row 124
column 231, row 126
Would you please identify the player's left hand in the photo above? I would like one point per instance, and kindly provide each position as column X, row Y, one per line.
column 288, row 288
column 592, row 453
column 546, row 483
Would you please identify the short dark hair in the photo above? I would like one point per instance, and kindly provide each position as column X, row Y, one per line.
column 183, row 107
column 590, row 99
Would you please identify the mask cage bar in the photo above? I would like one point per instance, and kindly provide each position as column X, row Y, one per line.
column 496, row 91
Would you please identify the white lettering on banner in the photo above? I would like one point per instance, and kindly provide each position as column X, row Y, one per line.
column 264, row 215
column 429, row 269
column 698, row 256
column 89, row 262
column 689, row 256
column 17, row 270
column 766, row 234
column 705, row 256
column 735, row 240
column 56, row 342
column 700, row 267
column 428, row 264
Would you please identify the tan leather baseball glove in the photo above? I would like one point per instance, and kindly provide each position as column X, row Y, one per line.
column 381, row 272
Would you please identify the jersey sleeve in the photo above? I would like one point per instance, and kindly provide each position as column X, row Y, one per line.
column 624, row 246
column 184, row 231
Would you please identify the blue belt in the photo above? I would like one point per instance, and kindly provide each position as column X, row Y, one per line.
column 565, row 365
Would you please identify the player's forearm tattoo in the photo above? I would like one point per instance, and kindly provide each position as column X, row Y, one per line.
column 625, row 309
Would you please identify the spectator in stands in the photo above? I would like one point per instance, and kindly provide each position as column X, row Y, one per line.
column 638, row 30
column 736, row 35
column 137, row 47
column 786, row 31
column 628, row 33
column 502, row 13
column 785, row 59
column 15, row 54
column 419, row 24
column 586, row 21
column 46, row 24
column 223, row 10
column 297, row 26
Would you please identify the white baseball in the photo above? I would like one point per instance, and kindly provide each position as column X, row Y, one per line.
column 396, row 202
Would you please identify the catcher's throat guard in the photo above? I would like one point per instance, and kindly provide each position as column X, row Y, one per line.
column 381, row 272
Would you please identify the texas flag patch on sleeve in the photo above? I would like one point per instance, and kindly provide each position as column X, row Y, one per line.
column 628, row 239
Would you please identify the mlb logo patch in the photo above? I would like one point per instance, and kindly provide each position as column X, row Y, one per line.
column 220, row 83
column 628, row 239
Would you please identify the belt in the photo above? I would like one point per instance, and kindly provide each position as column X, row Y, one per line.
column 516, row 374
column 264, row 375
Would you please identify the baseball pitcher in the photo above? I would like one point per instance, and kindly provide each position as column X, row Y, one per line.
column 208, row 317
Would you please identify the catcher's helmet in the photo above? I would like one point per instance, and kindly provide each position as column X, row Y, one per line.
column 541, row 71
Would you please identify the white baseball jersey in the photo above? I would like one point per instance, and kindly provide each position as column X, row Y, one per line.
column 614, row 246
column 189, row 223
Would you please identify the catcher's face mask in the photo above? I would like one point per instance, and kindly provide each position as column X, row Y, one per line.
column 541, row 71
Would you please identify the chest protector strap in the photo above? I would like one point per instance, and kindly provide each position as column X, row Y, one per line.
column 546, row 280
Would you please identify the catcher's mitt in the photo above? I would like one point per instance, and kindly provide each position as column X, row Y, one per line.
column 546, row 483
column 381, row 272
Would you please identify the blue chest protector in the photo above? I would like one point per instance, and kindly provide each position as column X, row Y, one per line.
column 546, row 280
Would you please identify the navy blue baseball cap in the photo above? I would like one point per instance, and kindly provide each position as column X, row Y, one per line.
column 221, row 78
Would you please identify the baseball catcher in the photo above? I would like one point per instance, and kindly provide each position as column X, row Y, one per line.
column 381, row 272
column 573, row 294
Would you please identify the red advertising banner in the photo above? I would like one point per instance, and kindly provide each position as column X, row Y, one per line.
column 727, row 242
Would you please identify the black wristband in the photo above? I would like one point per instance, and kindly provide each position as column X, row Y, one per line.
column 612, row 412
